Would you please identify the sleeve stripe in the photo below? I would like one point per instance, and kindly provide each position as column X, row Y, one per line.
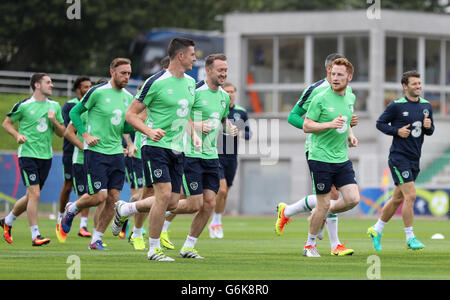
column 89, row 93
column 309, row 91
column 148, row 85
column 16, row 107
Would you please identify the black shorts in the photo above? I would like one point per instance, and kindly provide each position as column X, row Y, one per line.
column 34, row 170
column 402, row 169
column 162, row 165
column 200, row 174
column 67, row 165
column 104, row 171
column 324, row 175
column 227, row 168
column 79, row 179
column 134, row 172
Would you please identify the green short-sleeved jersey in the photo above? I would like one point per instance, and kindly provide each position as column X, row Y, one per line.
column 106, row 109
column 330, row 145
column 78, row 155
column 213, row 106
column 169, row 101
column 308, row 94
column 35, row 126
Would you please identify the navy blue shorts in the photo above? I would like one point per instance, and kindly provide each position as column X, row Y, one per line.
column 228, row 167
column 34, row 170
column 324, row 175
column 403, row 170
column 104, row 171
column 67, row 165
column 79, row 179
column 162, row 165
column 200, row 174
column 134, row 172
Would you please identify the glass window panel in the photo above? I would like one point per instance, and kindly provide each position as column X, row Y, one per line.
column 287, row 100
column 409, row 54
column 356, row 50
column 258, row 102
column 260, row 60
column 447, row 104
column 391, row 60
column 292, row 60
column 362, row 97
column 432, row 61
column 391, row 95
column 435, row 100
column 447, row 59
column 322, row 48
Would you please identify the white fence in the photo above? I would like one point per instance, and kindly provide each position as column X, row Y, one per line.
column 19, row 82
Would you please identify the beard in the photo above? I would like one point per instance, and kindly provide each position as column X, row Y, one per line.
column 121, row 84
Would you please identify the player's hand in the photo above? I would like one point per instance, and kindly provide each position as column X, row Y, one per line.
column 51, row 115
column 20, row 139
column 197, row 142
column 354, row 120
column 426, row 122
column 206, row 127
column 132, row 150
column 337, row 123
column 90, row 139
column 156, row 134
column 352, row 141
column 404, row 132
column 233, row 130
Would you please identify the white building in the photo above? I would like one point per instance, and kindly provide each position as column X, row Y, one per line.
column 272, row 57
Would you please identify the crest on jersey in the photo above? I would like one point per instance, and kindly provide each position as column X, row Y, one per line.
column 223, row 103
column 236, row 116
column 426, row 112
column 191, row 90
column 158, row 173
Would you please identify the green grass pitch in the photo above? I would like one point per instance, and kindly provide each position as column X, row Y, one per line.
column 249, row 251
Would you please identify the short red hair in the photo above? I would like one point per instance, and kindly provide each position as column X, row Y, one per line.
column 344, row 62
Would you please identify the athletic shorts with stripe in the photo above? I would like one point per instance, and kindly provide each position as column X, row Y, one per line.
column 403, row 169
column 34, row 170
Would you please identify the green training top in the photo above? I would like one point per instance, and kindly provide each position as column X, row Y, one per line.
column 35, row 126
column 78, row 155
column 106, row 109
column 213, row 106
column 169, row 100
column 330, row 145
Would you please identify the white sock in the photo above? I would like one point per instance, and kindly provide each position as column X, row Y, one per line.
column 168, row 213
column 60, row 215
column 190, row 242
column 83, row 222
column 34, row 232
column 9, row 220
column 409, row 232
column 306, row 204
column 73, row 208
column 137, row 232
column 128, row 209
column 311, row 240
column 153, row 244
column 97, row 236
column 165, row 226
column 332, row 228
column 216, row 219
column 379, row 226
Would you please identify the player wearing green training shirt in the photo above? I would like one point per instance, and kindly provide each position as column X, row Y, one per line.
column 168, row 97
column 328, row 119
column 38, row 117
column 105, row 105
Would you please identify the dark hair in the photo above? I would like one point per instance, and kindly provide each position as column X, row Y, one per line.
column 36, row 77
column 165, row 62
column 78, row 81
column 101, row 80
column 118, row 62
column 178, row 44
column 209, row 60
column 407, row 74
column 332, row 57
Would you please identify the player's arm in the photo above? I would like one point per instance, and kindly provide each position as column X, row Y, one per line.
column 352, row 140
column 132, row 118
column 295, row 117
column 228, row 127
column 59, row 127
column 71, row 135
column 385, row 119
column 8, row 125
column 131, row 148
column 75, row 116
column 247, row 132
column 192, row 131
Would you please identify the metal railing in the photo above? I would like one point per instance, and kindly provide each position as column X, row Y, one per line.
column 19, row 82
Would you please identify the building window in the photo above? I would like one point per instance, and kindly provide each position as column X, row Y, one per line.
column 292, row 60
column 362, row 97
column 390, row 66
column 447, row 59
column 409, row 54
column 260, row 60
column 432, row 61
column 287, row 100
column 356, row 50
column 322, row 47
